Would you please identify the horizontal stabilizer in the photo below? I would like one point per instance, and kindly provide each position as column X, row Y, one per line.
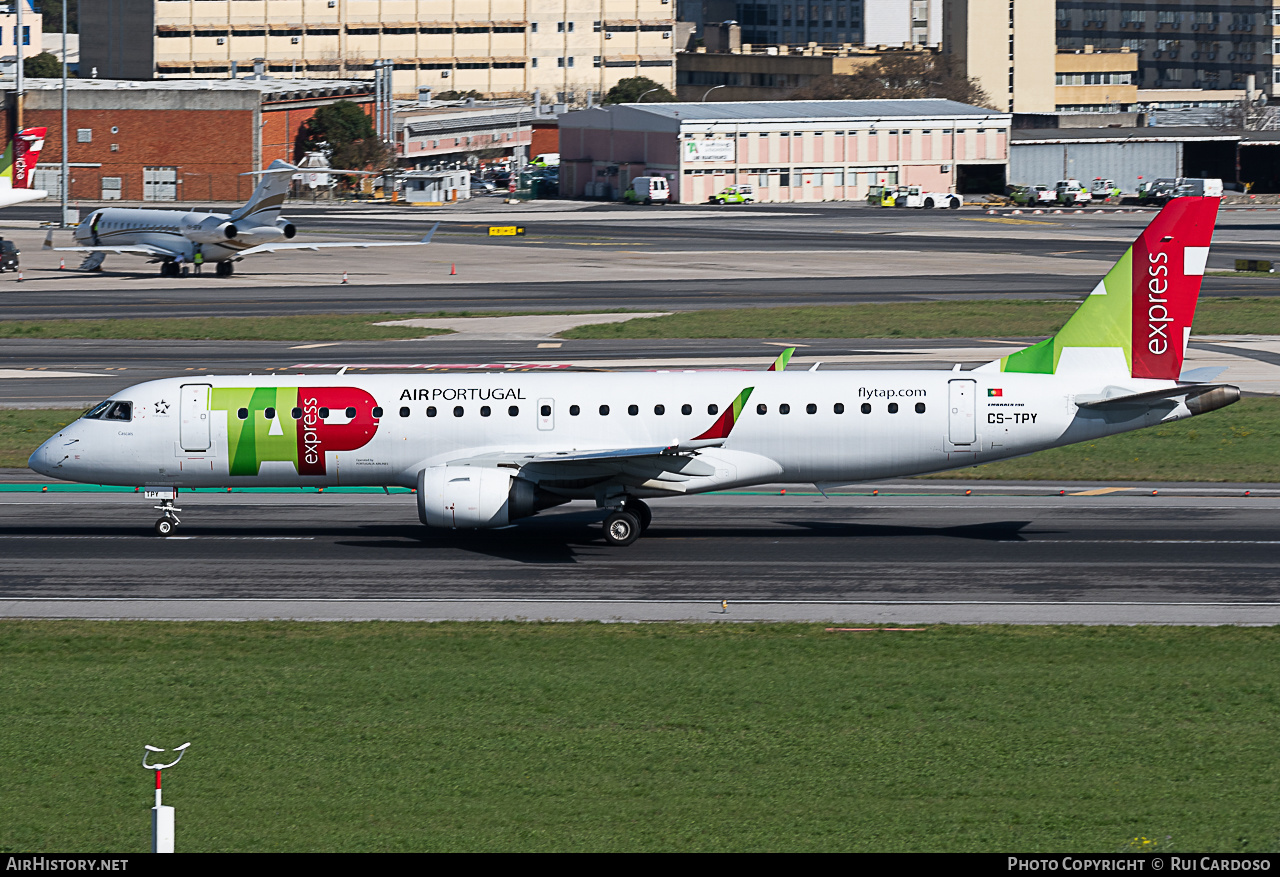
column 1206, row 374
column 1199, row 397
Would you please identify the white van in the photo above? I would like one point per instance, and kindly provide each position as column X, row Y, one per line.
column 648, row 190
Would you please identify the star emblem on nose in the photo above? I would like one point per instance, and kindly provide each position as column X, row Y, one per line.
column 162, row 407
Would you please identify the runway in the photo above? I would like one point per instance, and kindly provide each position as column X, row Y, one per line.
column 1015, row 553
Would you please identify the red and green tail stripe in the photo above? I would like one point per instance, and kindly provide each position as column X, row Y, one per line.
column 724, row 425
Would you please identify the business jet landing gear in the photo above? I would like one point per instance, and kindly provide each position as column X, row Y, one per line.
column 169, row 269
column 624, row 526
column 168, row 518
column 225, row 269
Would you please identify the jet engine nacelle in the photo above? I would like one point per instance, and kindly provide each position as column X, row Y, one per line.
column 470, row 497
column 210, row 230
column 287, row 227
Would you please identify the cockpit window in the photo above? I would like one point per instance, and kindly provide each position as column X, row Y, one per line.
column 119, row 411
column 96, row 411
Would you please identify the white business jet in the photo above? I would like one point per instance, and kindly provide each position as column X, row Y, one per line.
column 484, row 450
column 171, row 237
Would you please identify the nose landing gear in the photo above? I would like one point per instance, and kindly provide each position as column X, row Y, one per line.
column 168, row 518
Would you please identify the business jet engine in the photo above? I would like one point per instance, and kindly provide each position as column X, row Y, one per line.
column 208, row 230
column 470, row 497
column 287, row 227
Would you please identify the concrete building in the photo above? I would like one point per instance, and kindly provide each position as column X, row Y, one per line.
column 31, row 38
column 762, row 73
column 1182, row 44
column 1090, row 80
column 788, row 150
column 499, row 48
column 1131, row 155
column 185, row 140
column 428, row 135
column 903, row 22
column 1008, row 46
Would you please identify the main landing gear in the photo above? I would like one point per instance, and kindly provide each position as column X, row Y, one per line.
column 624, row 526
column 225, row 269
column 168, row 518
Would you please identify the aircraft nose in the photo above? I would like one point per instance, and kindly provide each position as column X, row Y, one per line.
column 47, row 458
column 39, row 461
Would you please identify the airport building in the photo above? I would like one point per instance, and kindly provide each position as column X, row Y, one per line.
column 788, row 150
column 498, row 48
column 183, row 140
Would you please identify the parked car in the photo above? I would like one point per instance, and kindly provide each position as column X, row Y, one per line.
column 1032, row 196
column 1072, row 192
column 648, row 190
column 8, row 256
column 482, row 187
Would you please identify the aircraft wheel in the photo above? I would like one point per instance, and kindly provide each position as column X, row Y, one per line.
column 164, row 527
column 225, row 269
column 642, row 512
column 621, row 528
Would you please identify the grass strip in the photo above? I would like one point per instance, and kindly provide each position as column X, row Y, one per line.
column 1240, row 443
column 318, row 327
column 572, row 737
column 936, row 319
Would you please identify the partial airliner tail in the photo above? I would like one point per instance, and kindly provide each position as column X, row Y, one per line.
column 20, row 157
column 1138, row 319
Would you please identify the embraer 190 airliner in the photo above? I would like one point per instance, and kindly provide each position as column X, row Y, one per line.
column 486, row 449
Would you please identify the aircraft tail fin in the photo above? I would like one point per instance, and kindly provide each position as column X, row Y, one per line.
column 1138, row 318
column 264, row 204
column 20, row 157
column 780, row 364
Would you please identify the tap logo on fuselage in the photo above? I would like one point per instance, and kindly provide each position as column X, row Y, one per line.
column 327, row 419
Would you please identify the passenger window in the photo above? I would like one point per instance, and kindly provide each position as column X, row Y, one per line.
column 604, row 410
column 485, row 410
column 514, row 411
column 713, row 409
column 324, row 413
column 839, row 408
column 893, row 407
column 784, row 408
column 866, row 407
column 686, row 409
column 431, row 411
column 377, row 411
column 243, row 413
column 351, row 413
column 545, row 410
column 457, row 411
column 574, row 410
column 296, row 414
column 811, row 408
column 633, row 410
column 762, row 409
column 404, row 412
column 269, row 413
column 659, row 409
column 919, row 408
column 119, row 411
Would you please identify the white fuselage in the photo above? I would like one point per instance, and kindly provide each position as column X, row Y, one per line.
column 175, row 231
column 189, row 432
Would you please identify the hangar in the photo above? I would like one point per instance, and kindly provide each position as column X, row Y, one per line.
column 789, row 150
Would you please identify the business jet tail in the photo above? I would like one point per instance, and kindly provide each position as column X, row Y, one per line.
column 1137, row 321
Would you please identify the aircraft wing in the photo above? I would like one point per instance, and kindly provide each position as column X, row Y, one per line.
column 134, row 249
column 589, row 456
column 9, row 197
column 271, row 248
column 656, row 468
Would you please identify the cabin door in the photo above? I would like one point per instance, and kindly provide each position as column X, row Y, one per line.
column 195, row 417
column 961, row 416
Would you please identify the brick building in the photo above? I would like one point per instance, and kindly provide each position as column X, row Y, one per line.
column 182, row 140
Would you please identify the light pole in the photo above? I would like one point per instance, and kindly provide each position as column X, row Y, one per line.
column 640, row 99
column 161, row 816
column 711, row 89
column 62, row 222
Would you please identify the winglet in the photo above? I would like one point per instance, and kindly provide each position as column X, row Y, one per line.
column 780, row 364
column 426, row 239
column 724, row 425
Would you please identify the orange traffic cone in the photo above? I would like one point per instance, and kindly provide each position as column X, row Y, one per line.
column 453, row 269
column 344, row 276
column 62, row 264
column 19, row 276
